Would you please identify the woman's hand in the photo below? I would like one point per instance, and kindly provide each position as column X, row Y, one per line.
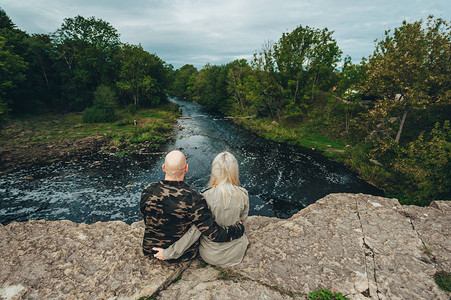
column 159, row 253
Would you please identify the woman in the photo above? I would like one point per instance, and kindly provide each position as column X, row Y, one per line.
column 229, row 204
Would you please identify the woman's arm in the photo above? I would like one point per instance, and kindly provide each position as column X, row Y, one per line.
column 179, row 247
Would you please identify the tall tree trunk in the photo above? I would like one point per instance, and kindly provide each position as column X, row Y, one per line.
column 297, row 89
column 313, row 87
column 135, row 99
column 403, row 120
column 45, row 77
column 346, row 122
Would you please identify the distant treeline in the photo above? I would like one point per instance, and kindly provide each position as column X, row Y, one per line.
column 61, row 71
column 393, row 107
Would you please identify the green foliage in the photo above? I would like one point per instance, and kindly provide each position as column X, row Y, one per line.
column 184, row 79
column 103, row 109
column 210, row 88
column 93, row 31
column 61, row 71
column 85, row 49
column 306, row 59
column 3, row 111
column 12, row 68
column 5, row 21
column 422, row 166
column 325, row 295
column 98, row 115
column 352, row 76
column 410, row 69
column 141, row 75
column 288, row 88
column 443, row 279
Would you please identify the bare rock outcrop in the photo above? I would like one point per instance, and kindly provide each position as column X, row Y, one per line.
column 363, row 246
column 66, row 260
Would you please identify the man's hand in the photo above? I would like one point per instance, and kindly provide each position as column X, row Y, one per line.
column 159, row 253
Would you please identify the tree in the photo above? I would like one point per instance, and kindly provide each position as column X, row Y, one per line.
column 12, row 73
column 351, row 78
column 102, row 111
column 306, row 59
column 5, row 21
column 184, row 78
column 266, row 90
column 411, row 68
column 86, row 48
column 135, row 77
column 236, row 84
column 210, row 88
column 96, row 32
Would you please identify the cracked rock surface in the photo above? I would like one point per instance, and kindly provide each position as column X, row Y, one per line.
column 363, row 246
column 66, row 260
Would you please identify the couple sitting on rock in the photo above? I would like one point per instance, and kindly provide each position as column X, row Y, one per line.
column 180, row 222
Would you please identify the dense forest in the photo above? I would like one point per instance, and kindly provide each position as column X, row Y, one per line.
column 391, row 110
column 62, row 71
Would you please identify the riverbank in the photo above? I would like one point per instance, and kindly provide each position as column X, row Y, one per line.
column 305, row 135
column 414, row 173
column 299, row 135
column 50, row 137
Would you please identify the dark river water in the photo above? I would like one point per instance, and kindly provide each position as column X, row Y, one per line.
column 281, row 179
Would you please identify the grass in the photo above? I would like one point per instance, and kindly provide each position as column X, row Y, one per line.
column 427, row 251
column 152, row 125
column 443, row 279
column 325, row 295
column 294, row 134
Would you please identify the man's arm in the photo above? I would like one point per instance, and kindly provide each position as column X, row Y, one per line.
column 181, row 245
column 203, row 219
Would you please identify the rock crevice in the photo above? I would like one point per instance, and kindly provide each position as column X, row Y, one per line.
column 370, row 264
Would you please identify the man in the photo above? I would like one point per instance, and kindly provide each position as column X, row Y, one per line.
column 170, row 207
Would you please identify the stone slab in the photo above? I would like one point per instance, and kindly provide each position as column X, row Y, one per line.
column 203, row 282
column 433, row 225
column 363, row 246
column 319, row 247
column 66, row 260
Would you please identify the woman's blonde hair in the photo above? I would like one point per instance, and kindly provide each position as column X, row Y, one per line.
column 224, row 182
column 224, row 170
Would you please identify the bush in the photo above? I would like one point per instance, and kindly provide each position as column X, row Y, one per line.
column 98, row 115
column 131, row 109
column 423, row 167
column 3, row 111
column 443, row 279
column 103, row 109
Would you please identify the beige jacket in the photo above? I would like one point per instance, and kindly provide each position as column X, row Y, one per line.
column 226, row 211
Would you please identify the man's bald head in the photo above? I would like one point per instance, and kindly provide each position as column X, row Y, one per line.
column 175, row 165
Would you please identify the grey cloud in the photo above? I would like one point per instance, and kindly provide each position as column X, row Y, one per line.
column 216, row 31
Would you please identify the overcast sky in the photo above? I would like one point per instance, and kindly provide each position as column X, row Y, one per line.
column 199, row 31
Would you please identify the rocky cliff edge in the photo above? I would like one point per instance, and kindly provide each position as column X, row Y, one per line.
column 363, row 246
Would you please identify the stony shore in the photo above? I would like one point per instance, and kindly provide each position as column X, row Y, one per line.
column 363, row 246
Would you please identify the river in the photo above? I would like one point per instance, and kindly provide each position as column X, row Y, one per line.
column 281, row 179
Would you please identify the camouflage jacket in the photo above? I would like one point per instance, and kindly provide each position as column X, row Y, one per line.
column 170, row 208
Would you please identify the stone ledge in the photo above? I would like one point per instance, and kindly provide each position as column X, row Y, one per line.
column 363, row 246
